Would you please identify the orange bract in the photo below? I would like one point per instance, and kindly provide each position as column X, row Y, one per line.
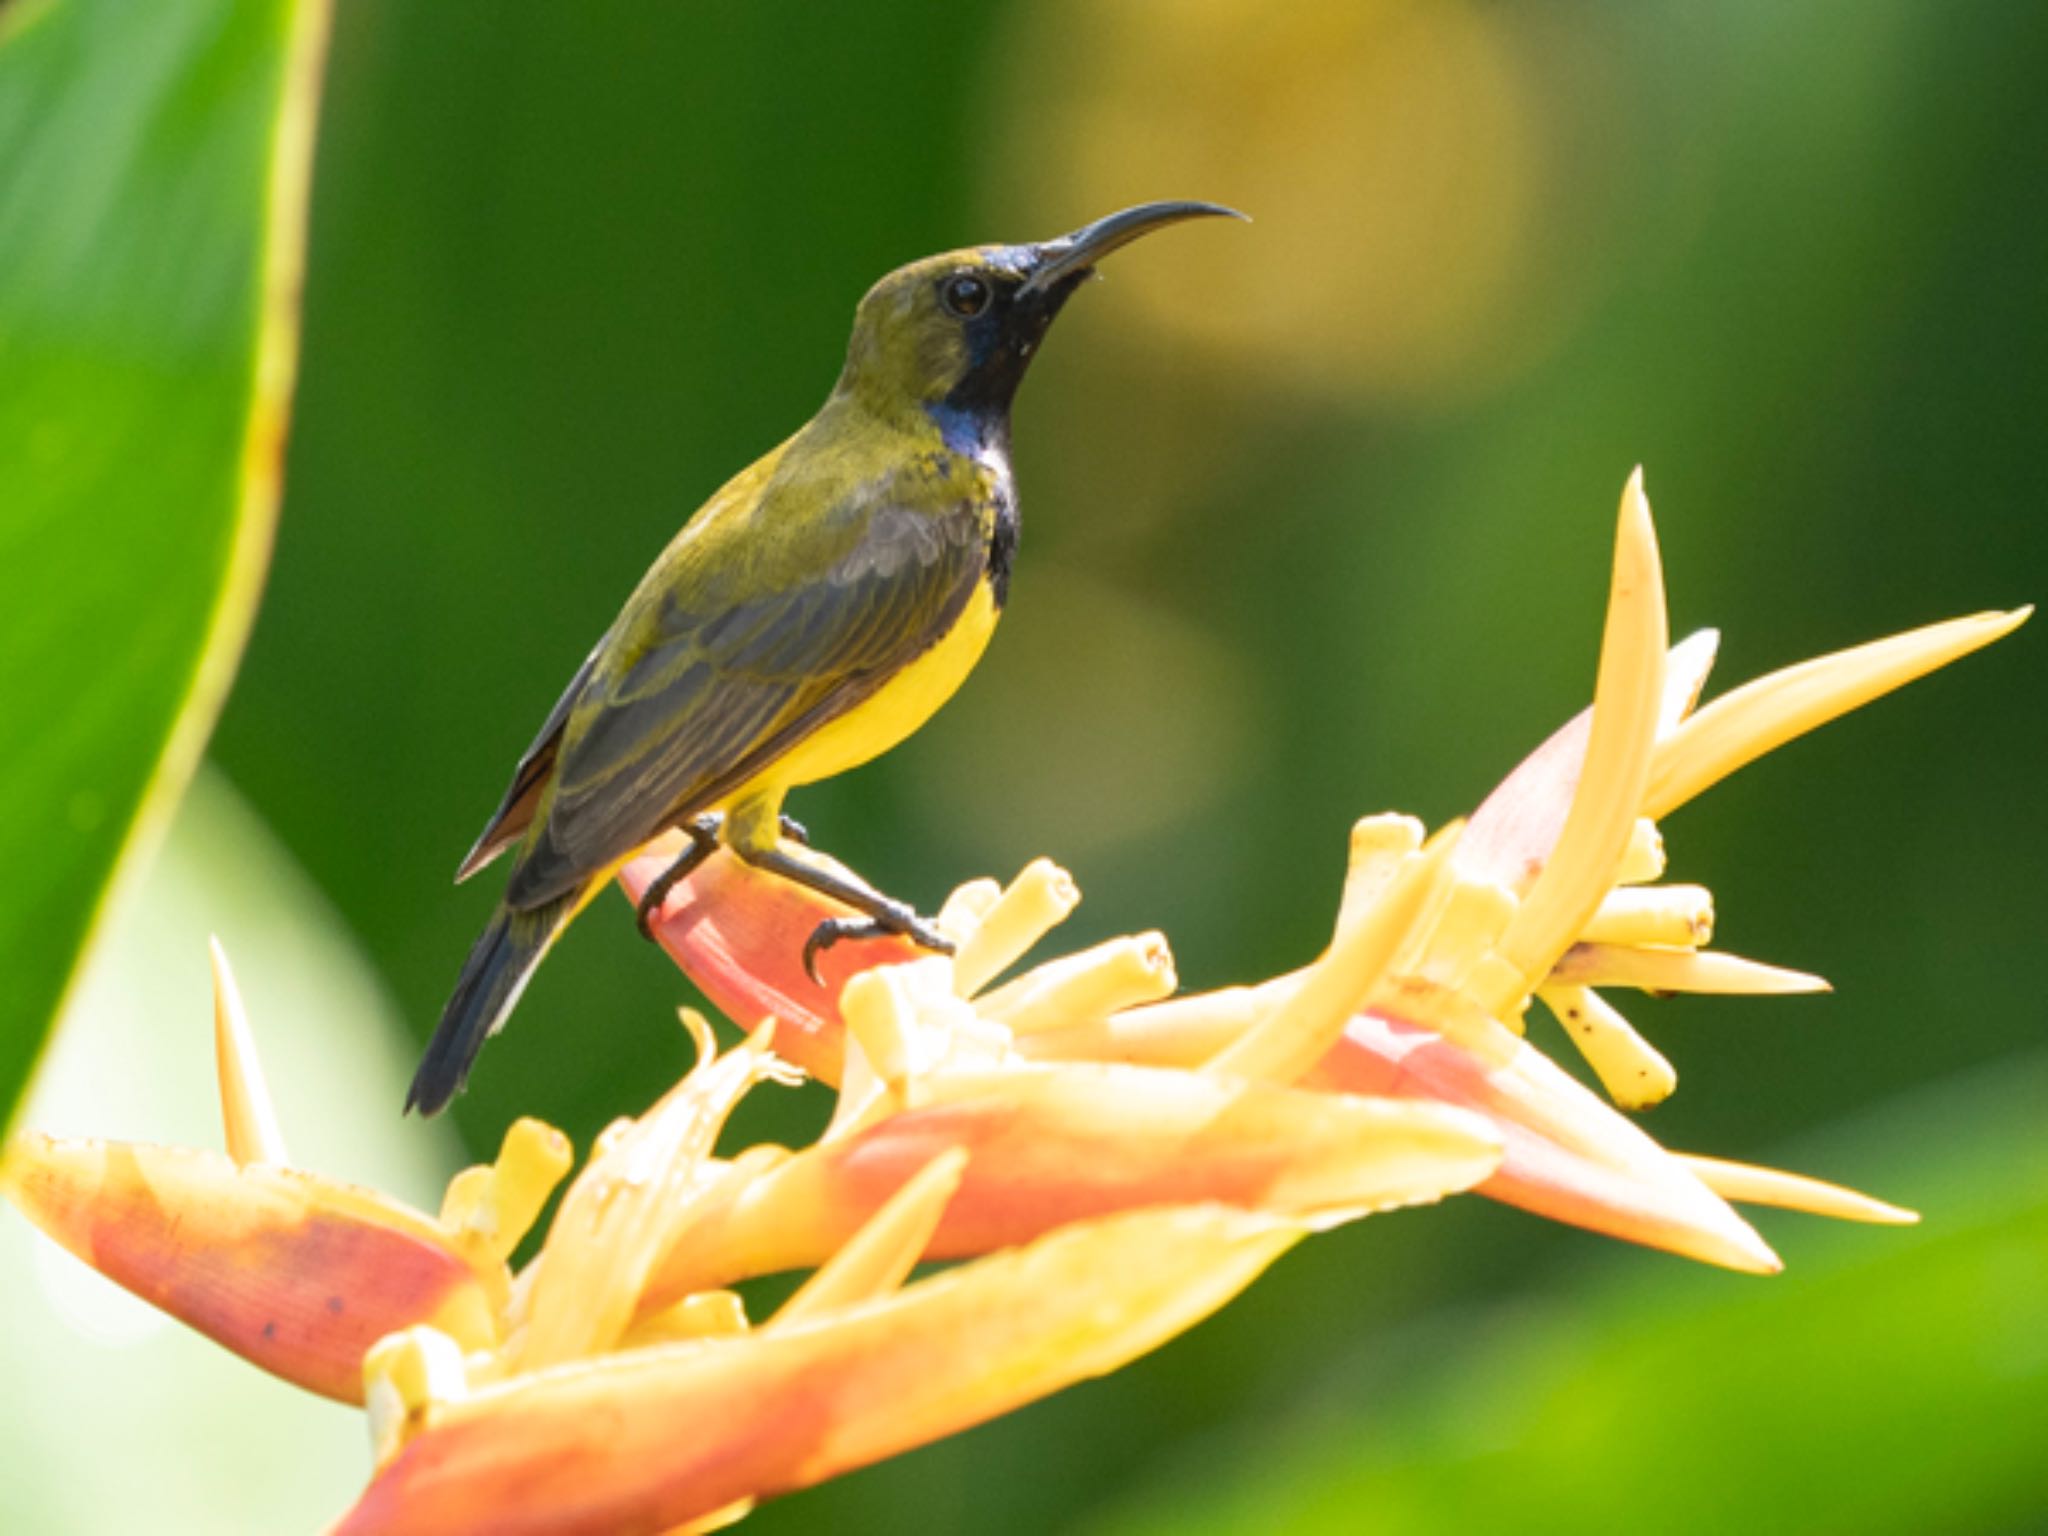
column 299, row 1274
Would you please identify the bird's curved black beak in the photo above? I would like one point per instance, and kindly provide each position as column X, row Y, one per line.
column 1071, row 255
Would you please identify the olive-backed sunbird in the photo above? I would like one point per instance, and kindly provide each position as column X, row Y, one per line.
column 811, row 615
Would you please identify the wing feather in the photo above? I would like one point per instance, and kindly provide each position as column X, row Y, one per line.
column 718, row 691
column 529, row 780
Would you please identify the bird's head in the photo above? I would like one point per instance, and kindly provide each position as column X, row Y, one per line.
column 953, row 334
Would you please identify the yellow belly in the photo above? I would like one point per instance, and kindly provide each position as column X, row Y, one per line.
column 904, row 703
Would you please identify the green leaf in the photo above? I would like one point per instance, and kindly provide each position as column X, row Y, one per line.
column 153, row 166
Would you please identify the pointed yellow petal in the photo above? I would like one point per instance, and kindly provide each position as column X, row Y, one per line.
column 295, row 1273
column 650, row 1440
column 1627, row 701
column 1037, row 901
column 1678, row 970
column 1517, row 825
column 1053, row 1144
column 247, row 1114
column 1121, row 973
column 1685, row 674
column 1793, row 1192
column 882, row 1254
column 1634, row 1073
column 1569, row 1156
column 1742, row 726
column 1298, row 1033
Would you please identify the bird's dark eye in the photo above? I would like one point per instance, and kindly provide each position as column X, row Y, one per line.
column 964, row 294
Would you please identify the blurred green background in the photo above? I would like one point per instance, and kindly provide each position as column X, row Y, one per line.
column 1317, row 517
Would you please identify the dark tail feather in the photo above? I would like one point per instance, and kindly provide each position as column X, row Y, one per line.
column 492, row 978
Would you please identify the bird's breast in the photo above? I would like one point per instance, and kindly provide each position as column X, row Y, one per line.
column 900, row 705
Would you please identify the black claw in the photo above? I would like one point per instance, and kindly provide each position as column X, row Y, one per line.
column 905, row 924
column 650, row 903
column 830, row 932
column 793, row 831
column 703, row 834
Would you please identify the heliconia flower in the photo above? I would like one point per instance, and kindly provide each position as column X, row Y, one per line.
column 1113, row 1161
column 297, row 1273
column 1547, row 894
column 603, row 1389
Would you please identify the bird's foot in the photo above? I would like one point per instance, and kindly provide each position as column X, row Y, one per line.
column 793, row 831
column 894, row 921
column 881, row 917
column 703, row 835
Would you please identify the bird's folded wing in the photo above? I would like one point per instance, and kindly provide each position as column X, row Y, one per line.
column 714, row 692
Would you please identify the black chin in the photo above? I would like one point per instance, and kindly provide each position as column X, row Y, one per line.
column 1000, row 346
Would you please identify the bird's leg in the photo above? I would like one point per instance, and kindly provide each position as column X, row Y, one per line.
column 756, row 831
column 703, row 834
column 882, row 915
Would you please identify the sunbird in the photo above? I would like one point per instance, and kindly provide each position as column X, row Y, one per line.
column 811, row 615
